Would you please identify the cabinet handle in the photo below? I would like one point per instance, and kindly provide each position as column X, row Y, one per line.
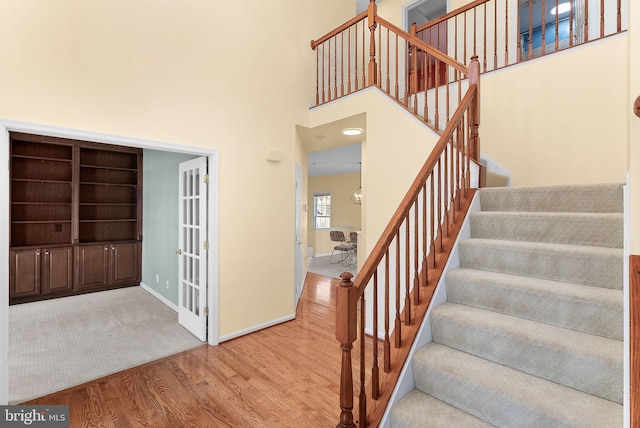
column 46, row 253
column 106, row 248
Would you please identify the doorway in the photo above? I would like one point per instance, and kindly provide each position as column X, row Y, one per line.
column 211, row 216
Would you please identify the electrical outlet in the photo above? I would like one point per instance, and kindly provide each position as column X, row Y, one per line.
column 157, row 279
column 167, row 284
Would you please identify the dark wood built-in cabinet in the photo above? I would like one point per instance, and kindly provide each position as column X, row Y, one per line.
column 76, row 217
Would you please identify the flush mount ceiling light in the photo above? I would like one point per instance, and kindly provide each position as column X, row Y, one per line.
column 561, row 8
column 352, row 131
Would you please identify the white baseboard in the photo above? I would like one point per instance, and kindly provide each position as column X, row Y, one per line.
column 322, row 255
column 159, row 296
column 256, row 328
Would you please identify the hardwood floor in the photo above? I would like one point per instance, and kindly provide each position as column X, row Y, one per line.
column 283, row 376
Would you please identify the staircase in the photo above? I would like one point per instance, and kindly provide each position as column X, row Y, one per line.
column 532, row 332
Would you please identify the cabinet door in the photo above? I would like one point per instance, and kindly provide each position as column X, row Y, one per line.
column 24, row 275
column 124, row 263
column 57, row 272
column 93, row 266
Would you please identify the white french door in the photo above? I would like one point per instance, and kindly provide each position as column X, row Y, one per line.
column 193, row 246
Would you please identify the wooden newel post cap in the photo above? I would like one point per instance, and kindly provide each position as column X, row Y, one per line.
column 346, row 279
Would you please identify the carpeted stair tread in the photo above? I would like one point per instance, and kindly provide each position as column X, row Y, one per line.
column 417, row 409
column 592, row 310
column 592, row 364
column 603, row 198
column 506, row 397
column 593, row 229
column 594, row 266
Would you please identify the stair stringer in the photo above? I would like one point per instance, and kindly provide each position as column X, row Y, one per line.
column 406, row 381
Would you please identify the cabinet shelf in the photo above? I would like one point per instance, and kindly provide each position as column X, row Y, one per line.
column 33, row 147
column 40, row 221
column 40, row 203
column 90, row 183
column 41, row 170
column 109, row 221
column 108, row 159
column 42, row 158
column 40, row 180
column 108, row 168
column 106, row 204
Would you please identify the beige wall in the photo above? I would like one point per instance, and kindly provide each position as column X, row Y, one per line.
column 344, row 214
column 192, row 73
column 561, row 119
column 392, row 10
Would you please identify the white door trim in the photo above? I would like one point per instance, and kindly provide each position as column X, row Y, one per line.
column 193, row 253
column 34, row 128
column 4, row 265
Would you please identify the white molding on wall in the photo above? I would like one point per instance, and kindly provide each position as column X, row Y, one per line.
column 4, row 265
column 257, row 328
column 159, row 296
column 100, row 137
column 626, row 399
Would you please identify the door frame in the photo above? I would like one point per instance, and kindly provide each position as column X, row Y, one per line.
column 33, row 128
column 194, row 322
column 298, row 253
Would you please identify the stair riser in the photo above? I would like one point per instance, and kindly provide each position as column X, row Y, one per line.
column 599, row 268
column 593, row 230
column 504, row 397
column 589, row 199
column 590, row 310
column 587, row 363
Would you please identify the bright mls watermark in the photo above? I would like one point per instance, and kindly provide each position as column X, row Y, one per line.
column 34, row 416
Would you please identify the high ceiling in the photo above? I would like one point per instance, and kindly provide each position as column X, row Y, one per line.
column 330, row 151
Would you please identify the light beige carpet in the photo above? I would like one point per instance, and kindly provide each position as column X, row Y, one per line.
column 59, row 343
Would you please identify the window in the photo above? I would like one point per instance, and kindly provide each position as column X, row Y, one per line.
column 322, row 210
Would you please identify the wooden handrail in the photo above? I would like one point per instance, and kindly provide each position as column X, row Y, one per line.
column 338, row 30
column 425, row 47
column 377, row 253
column 451, row 14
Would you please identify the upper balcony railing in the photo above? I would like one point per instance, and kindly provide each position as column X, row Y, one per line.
column 370, row 51
column 506, row 32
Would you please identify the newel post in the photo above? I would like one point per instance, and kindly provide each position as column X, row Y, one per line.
column 474, row 120
column 413, row 64
column 371, row 22
column 346, row 334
